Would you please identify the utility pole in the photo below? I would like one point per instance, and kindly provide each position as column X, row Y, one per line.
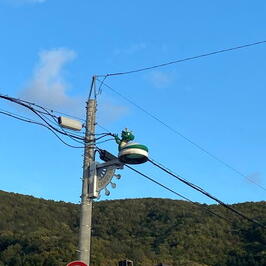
column 86, row 200
column 97, row 176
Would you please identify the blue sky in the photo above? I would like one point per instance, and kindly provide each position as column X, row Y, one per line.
column 50, row 49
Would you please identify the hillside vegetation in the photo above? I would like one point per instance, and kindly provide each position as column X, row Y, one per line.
column 148, row 231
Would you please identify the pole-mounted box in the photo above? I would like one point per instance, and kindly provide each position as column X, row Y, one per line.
column 69, row 123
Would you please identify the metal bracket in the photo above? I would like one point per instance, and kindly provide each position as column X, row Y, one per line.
column 105, row 173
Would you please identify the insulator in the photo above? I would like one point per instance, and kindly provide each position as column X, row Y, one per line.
column 113, row 185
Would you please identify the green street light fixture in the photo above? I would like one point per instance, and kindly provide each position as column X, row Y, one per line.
column 131, row 152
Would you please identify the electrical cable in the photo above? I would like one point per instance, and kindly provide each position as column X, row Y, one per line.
column 184, row 137
column 182, row 60
column 29, row 106
column 103, row 141
column 92, row 87
column 52, row 129
column 17, row 101
column 64, row 141
column 178, row 194
column 167, row 170
column 43, row 119
column 102, row 127
column 49, row 111
column 24, row 119
column 54, row 121
column 101, row 84
column 69, row 115
column 169, row 189
column 201, row 190
column 21, row 118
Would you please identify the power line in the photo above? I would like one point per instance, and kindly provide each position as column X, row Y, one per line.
column 182, row 60
column 184, row 137
column 178, row 194
column 47, row 124
column 41, row 117
column 201, row 190
column 92, row 87
column 24, row 119
column 39, row 113
column 52, row 129
column 169, row 189
column 71, row 146
column 51, row 110
column 167, row 170
column 103, row 141
column 97, row 124
column 54, row 120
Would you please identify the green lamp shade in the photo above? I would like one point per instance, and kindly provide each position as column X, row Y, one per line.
column 133, row 153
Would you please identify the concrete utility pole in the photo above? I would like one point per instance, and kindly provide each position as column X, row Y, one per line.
column 97, row 176
column 86, row 201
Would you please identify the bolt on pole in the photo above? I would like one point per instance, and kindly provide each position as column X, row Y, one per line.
column 86, row 202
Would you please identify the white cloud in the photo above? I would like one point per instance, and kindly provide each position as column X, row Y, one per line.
column 48, row 86
column 161, row 79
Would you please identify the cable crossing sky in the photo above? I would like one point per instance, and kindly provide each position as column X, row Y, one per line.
column 156, row 118
column 104, row 76
column 57, row 131
column 183, row 60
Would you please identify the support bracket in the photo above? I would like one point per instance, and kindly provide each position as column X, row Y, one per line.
column 101, row 175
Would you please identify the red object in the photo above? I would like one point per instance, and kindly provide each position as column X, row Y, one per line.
column 77, row 263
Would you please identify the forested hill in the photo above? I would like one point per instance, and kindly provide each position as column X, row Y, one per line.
column 148, row 231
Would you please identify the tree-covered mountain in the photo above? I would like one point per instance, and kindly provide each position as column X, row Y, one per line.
column 148, row 231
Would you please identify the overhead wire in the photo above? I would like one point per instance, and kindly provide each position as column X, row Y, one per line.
column 29, row 105
column 167, row 170
column 92, row 87
column 101, row 84
column 182, row 60
column 54, row 121
column 103, row 141
column 156, row 118
column 39, row 113
column 102, row 127
column 178, row 194
column 47, row 125
column 50, row 127
column 51, row 110
column 75, row 137
column 171, row 190
column 201, row 190
column 69, row 145
column 47, row 112
column 24, row 119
